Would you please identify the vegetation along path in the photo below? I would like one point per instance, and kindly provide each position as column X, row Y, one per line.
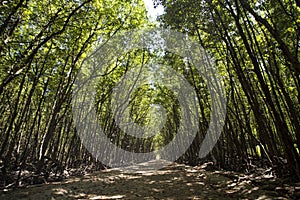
column 218, row 84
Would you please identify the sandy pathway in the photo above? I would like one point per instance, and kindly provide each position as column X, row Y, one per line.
column 172, row 182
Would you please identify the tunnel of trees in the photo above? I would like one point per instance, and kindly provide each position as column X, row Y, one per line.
column 255, row 45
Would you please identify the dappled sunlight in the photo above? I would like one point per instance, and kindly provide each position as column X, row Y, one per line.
column 90, row 85
column 108, row 197
column 172, row 182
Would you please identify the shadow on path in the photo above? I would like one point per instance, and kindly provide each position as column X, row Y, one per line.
column 141, row 182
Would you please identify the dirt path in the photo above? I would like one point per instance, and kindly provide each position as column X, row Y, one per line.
column 172, row 182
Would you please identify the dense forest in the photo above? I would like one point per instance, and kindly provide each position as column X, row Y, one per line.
column 44, row 45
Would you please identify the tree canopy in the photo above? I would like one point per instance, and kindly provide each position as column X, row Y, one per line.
column 255, row 46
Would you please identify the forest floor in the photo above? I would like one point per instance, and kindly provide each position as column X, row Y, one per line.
column 176, row 181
